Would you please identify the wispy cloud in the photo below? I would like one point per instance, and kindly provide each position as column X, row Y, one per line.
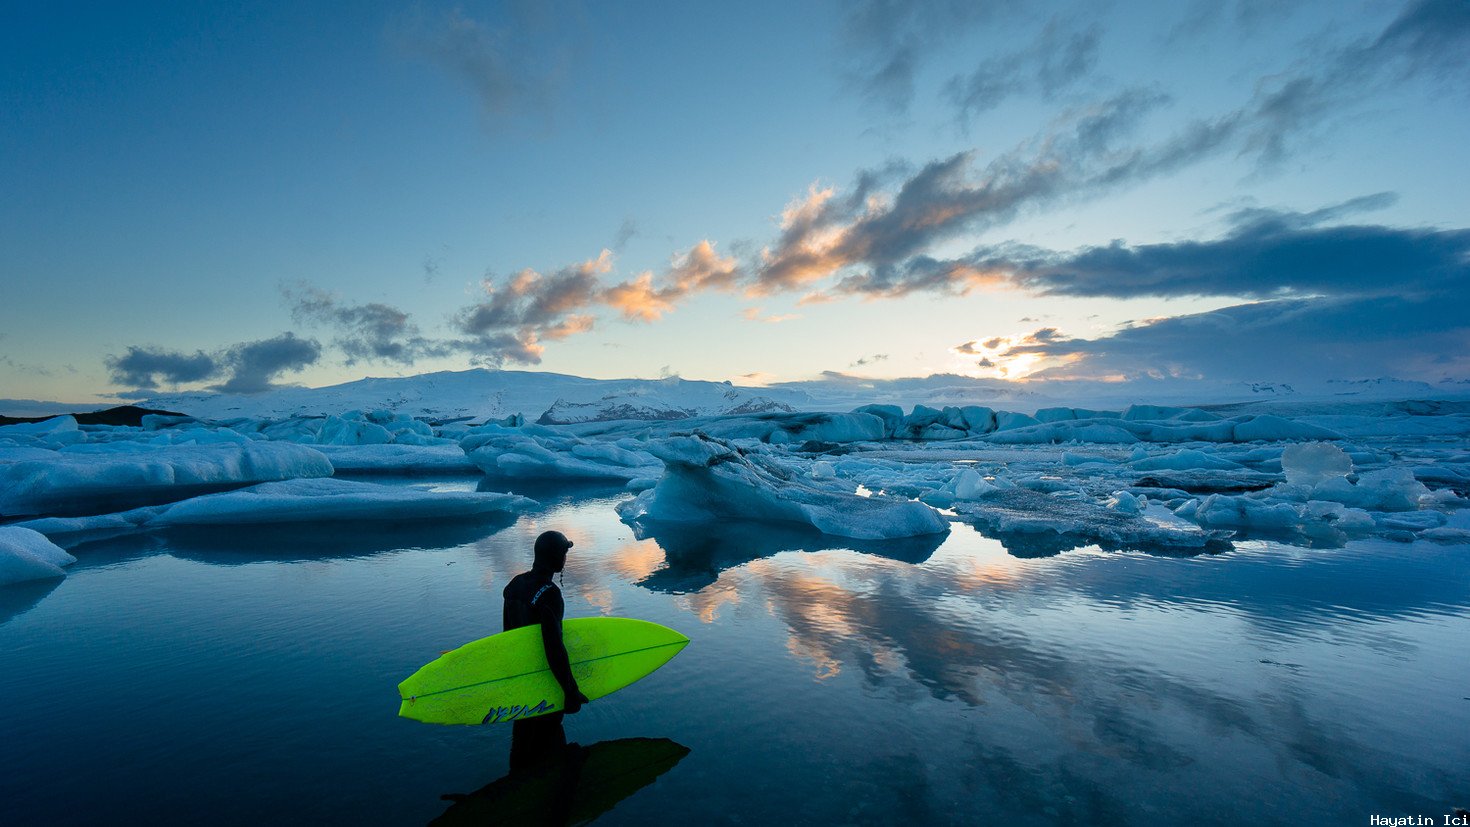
column 887, row 41
column 1060, row 56
column 510, row 73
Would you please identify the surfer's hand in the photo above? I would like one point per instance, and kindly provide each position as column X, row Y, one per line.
column 575, row 701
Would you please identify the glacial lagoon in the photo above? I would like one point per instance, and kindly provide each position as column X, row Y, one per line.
column 248, row 676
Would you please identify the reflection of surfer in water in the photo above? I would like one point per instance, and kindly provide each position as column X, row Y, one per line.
column 532, row 599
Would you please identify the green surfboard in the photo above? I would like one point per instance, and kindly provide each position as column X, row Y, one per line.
column 505, row 677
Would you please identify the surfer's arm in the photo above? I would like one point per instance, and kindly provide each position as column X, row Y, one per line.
column 556, row 649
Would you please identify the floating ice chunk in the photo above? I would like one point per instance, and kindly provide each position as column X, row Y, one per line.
column 1225, row 510
column 1064, row 431
column 823, row 470
column 1188, row 459
column 1158, row 413
column 1274, row 429
column 93, row 526
column 1446, row 534
column 398, row 459
column 1410, row 520
column 707, row 479
column 1339, row 516
column 1387, row 489
column 340, row 430
column 48, row 433
column 978, row 419
column 26, row 554
column 46, row 427
column 1007, row 421
column 1125, row 503
column 969, row 485
column 1314, row 462
column 793, row 428
column 1076, row 460
column 937, row 431
column 1031, row 522
column 128, row 474
column 890, row 415
column 1064, row 414
column 332, row 500
column 541, row 451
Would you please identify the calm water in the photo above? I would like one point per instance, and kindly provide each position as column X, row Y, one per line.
column 244, row 678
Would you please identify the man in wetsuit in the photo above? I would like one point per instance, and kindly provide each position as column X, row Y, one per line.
column 532, row 599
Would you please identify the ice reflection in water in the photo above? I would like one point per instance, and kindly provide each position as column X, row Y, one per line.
column 950, row 684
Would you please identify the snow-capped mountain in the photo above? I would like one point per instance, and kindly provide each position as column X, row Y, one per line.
column 491, row 394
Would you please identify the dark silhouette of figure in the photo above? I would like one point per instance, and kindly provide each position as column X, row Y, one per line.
column 533, row 599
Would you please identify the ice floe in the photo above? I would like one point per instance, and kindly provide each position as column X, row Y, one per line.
column 538, row 451
column 709, row 480
column 302, row 501
column 97, row 477
column 26, row 554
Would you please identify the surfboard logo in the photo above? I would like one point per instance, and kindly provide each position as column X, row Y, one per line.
column 502, row 714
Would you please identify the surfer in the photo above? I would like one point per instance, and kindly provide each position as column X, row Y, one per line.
column 532, row 599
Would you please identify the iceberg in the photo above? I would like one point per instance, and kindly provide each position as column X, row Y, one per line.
column 26, row 554
column 332, row 500
column 399, row 458
column 1186, row 460
column 1312, row 463
column 708, row 480
column 94, row 478
column 1032, row 523
column 539, row 451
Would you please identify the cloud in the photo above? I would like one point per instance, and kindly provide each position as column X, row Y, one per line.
column 626, row 232
column 756, row 314
column 144, row 368
column 1059, row 57
column 255, row 365
column 530, row 308
column 887, row 42
column 700, row 268
column 369, row 332
column 868, row 360
column 1270, row 255
column 510, row 72
column 1282, row 340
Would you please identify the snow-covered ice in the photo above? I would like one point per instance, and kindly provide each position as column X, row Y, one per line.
column 332, row 500
column 27, row 555
column 710, row 480
column 88, row 478
column 538, row 451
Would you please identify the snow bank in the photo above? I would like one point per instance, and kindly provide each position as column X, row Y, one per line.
column 27, row 555
column 709, row 480
column 96, row 478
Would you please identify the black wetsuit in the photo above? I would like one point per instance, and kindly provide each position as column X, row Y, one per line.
column 532, row 599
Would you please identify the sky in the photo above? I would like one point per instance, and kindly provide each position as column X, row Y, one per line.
column 240, row 196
